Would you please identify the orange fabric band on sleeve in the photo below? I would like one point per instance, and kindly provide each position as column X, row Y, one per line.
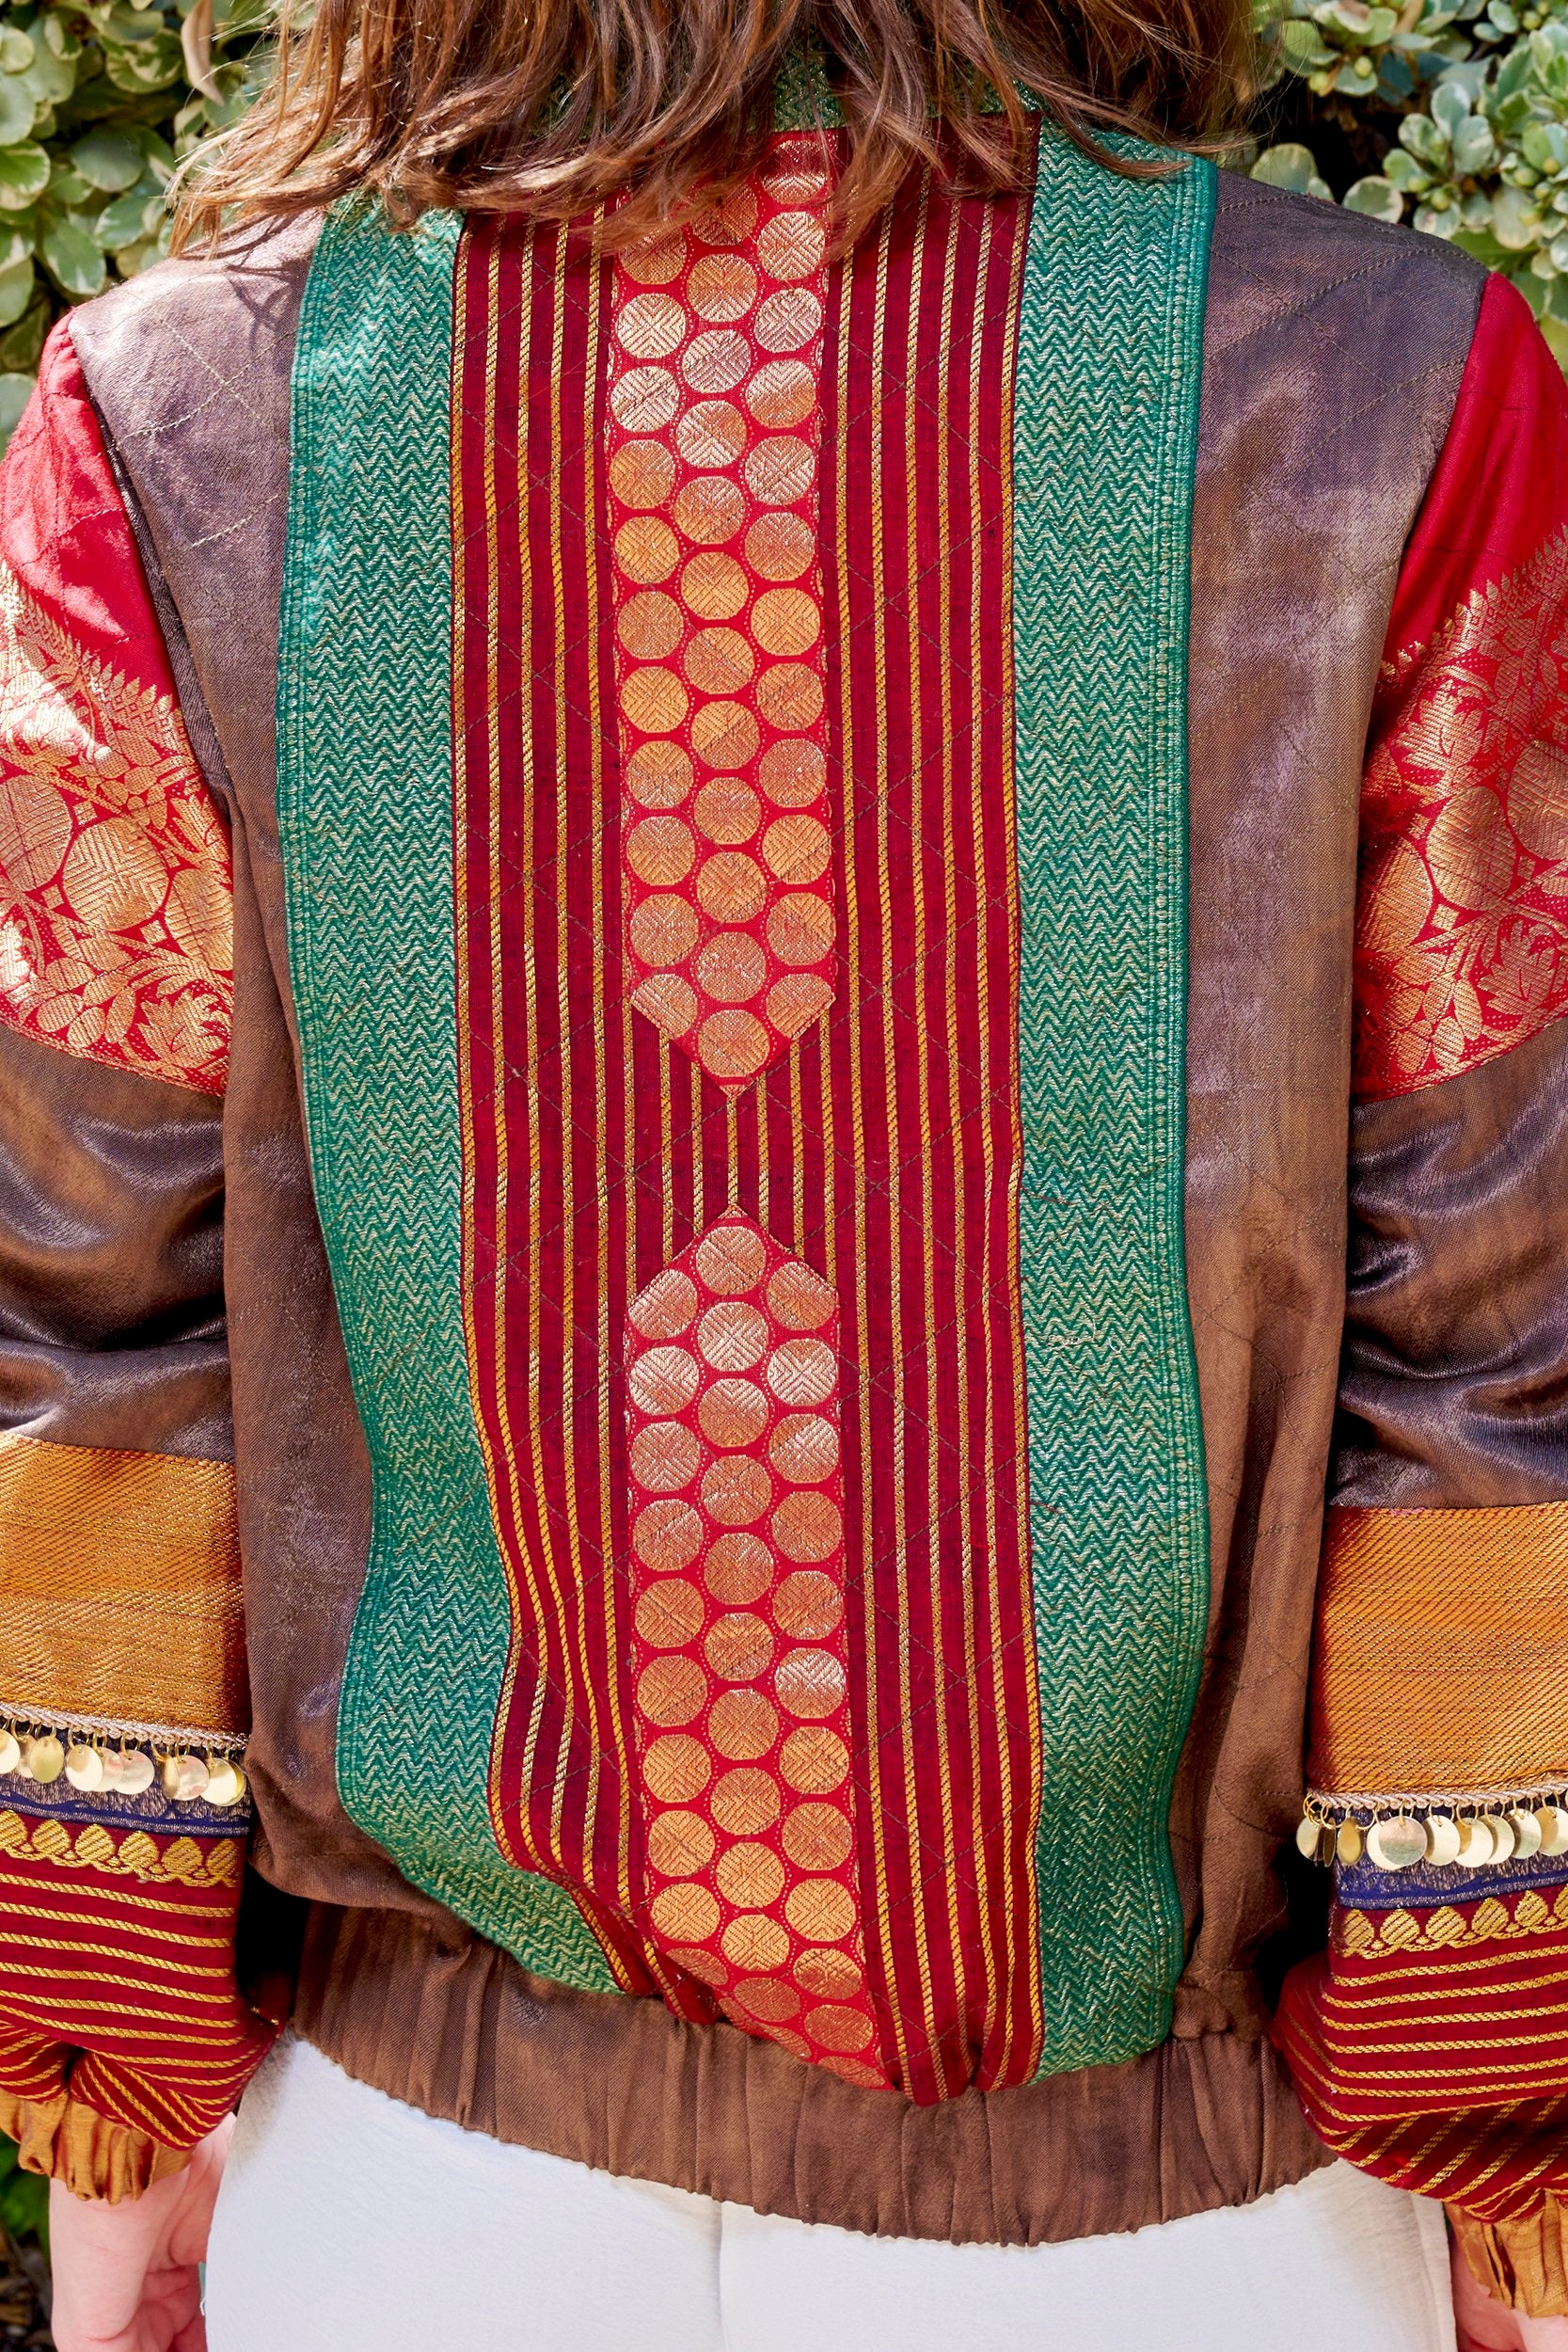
column 1442, row 1651
column 120, row 1588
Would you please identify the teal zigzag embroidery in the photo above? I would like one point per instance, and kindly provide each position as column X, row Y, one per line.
column 1110, row 359
column 365, row 816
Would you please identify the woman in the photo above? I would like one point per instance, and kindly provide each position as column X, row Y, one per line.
column 740, row 833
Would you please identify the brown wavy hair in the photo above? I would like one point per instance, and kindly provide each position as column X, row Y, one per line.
column 560, row 106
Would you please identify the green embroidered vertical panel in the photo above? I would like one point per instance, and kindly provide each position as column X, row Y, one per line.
column 1104, row 441
column 365, row 813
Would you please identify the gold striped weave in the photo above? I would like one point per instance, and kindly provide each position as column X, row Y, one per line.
column 1441, row 1658
column 120, row 1587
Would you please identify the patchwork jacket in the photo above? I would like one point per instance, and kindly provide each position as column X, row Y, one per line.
column 780, row 1057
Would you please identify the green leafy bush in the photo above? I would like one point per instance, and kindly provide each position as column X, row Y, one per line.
column 1461, row 109
column 97, row 105
column 1449, row 113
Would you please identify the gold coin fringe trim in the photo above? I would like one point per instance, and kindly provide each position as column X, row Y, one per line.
column 44, row 1752
column 1395, row 1833
column 1377, row 1935
column 135, row 1856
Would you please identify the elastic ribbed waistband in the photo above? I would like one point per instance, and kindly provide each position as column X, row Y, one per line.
column 433, row 2015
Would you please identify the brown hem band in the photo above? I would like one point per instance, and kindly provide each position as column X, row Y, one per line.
column 444, row 2022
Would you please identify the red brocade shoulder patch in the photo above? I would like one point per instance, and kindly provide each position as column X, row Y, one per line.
column 116, row 915
column 1462, row 923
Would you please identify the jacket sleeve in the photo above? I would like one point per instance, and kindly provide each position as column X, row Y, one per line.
column 1430, row 2042
column 124, row 1806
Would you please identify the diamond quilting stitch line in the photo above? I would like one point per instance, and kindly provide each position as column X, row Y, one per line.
column 714, row 438
column 739, row 1652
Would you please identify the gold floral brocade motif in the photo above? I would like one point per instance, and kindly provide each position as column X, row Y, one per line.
column 116, row 897
column 1462, row 926
column 182, row 1862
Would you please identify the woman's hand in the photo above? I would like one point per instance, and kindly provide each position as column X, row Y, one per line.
column 1485, row 2326
column 125, row 2275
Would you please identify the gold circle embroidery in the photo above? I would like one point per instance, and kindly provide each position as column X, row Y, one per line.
column 652, row 326
column 659, row 850
column 842, row 2030
column 725, row 735
column 739, row 1646
column 794, row 773
column 814, row 1761
column 820, row 1911
column 733, row 1413
column 670, row 1613
column 679, row 1844
column 739, row 1570
column 798, row 1000
column 792, row 245
column 789, row 696
column 731, row 1259
column 663, row 930
column 817, row 1836
column 729, row 887
column 810, row 1684
column 800, row 1372
column 654, row 261
column 643, row 473
column 833, row 1976
column 713, row 586
column 780, row 472
column 722, row 287
column 796, row 849
column 732, row 967
column 804, row 1448
column 742, row 1725
column 665, row 1309
column 668, row 1001
column 676, row 1768
column 654, row 700
column 800, row 1298
column 716, row 360
column 671, row 1691
column 768, row 1999
column 751, row 1940
column 665, row 1455
column 665, row 1379
column 784, row 621
column 750, row 1875
column 727, row 812
column 720, row 661
column 658, row 773
column 646, row 400
column 737, row 1490
column 783, row 321
column 782, row 392
column 800, row 928
column 667, row 1535
column 650, row 624
column 779, row 546
column 647, row 549
column 745, row 1801
column 808, row 1605
column 732, row 1044
column 683, row 1914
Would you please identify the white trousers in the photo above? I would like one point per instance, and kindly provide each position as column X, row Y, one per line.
column 350, row 2223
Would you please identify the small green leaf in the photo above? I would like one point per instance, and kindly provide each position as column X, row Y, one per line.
column 130, row 217
column 108, row 160
column 59, row 39
column 1377, row 197
column 1516, row 224
column 1401, row 169
column 1424, row 140
column 1288, row 165
column 145, row 65
column 24, row 175
column 17, row 112
column 75, row 259
column 17, row 281
column 20, row 349
column 15, row 393
column 1449, row 107
column 1474, row 148
column 16, row 50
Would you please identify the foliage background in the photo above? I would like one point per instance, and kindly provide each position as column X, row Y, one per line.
column 1449, row 113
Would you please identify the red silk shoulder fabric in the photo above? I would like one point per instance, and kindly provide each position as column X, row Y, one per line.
column 1462, row 920
column 116, row 892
